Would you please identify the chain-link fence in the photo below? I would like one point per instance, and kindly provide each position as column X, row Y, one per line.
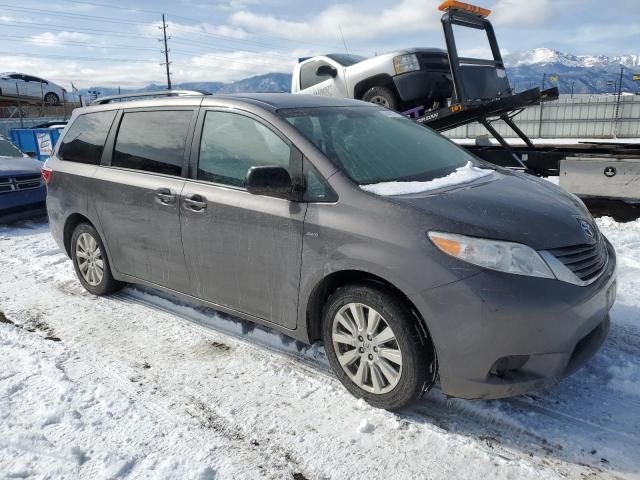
column 17, row 113
column 581, row 116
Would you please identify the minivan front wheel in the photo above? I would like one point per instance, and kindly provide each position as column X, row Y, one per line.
column 90, row 261
column 375, row 346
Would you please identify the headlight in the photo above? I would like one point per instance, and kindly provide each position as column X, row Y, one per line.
column 406, row 63
column 505, row 257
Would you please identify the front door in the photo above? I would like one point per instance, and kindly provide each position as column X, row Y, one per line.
column 243, row 251
column 137, row 196
column 312, row 83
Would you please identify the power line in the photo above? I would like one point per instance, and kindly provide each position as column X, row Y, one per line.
column 93, row 59
column 208, row 54
column 95, row 18
column 55, row 42
column 155, row 12
column 65, row 28
column 103, row 19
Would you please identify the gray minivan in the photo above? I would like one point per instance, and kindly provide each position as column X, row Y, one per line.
column 341, row 221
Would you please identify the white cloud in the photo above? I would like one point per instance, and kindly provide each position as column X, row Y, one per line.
column 404, row 17
column 518, row 13
column 49, row 39
column 224, row 67
column 198, row 30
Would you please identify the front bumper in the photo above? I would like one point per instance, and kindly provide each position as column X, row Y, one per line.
column 422, row 85
column 22, row 205
column 541, row 329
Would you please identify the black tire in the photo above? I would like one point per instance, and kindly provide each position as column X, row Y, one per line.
column 51, row 98
column 107, row 284
column 418, row 356
column 383, row 96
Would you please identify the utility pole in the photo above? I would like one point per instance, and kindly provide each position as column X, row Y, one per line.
column 572, row 85
column 544, row 77
column 166, row 51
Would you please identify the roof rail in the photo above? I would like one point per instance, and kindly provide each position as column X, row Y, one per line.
column 158, row 93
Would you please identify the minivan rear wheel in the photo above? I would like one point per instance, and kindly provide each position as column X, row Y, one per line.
column 375, row 346
column 90, row 261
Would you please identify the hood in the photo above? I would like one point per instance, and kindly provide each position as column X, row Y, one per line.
column 508, row 206
column 10, row 166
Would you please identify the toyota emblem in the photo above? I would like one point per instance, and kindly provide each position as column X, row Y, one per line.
column 587, row 229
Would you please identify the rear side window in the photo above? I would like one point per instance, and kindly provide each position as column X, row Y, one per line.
column 152, row 141
column 84, row 141
column 231, row 144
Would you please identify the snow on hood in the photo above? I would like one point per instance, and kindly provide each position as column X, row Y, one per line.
column 464, row 174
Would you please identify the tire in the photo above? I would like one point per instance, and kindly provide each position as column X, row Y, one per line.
column 51, row 98
column 83, row 250
column 364, row 358
column 383, row 96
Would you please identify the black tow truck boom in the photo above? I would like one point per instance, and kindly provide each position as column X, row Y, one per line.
column 481, row 93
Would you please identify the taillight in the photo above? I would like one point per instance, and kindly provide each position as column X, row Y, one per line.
column 47, row 173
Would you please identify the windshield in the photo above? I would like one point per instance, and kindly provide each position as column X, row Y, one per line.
column 373, row 144
column 346, row 59
column 8, row 150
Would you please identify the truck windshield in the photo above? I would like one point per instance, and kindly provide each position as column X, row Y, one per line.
column 346, row 59
column 373, row 144
column 8, row 150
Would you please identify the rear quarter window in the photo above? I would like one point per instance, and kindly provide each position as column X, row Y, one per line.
column 85, row 138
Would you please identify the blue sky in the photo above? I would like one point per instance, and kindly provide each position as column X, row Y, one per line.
column 98, row 42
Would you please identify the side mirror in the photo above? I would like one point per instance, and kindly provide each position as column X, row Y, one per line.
column 326, row 71
column 268, row 180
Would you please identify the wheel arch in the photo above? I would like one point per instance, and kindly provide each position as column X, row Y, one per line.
column 330, row 283
column 70, row 225
column 380, row 80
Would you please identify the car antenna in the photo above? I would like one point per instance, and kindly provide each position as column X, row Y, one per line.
column 343, row 41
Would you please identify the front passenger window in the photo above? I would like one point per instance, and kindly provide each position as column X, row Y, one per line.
column 232, row 143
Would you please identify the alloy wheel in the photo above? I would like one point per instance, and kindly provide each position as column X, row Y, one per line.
column 367, row 348
column 89, row 258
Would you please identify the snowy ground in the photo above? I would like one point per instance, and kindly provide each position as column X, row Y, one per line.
column 134, row 386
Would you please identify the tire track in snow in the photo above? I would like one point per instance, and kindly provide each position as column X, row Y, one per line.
column 456, row 415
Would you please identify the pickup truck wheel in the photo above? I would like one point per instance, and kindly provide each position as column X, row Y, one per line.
column 375, row 346
column 382, row 96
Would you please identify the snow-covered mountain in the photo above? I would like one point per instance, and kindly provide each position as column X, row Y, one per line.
column 583, row 73
column 547, row 56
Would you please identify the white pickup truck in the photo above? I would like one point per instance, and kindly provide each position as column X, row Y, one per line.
column 400, row 80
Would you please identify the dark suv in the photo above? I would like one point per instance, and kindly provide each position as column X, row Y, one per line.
column 341, row 221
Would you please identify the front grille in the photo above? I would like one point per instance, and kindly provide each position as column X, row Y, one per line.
column 430, row 61
column 26, row 182
column 6, row 185
column 18, row 183
column 586, row 261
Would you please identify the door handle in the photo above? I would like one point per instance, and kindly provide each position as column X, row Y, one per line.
column 195, row 203
column 165, row 197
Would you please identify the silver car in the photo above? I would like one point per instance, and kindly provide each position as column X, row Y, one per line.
column 341, row 221
column 29, row 87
